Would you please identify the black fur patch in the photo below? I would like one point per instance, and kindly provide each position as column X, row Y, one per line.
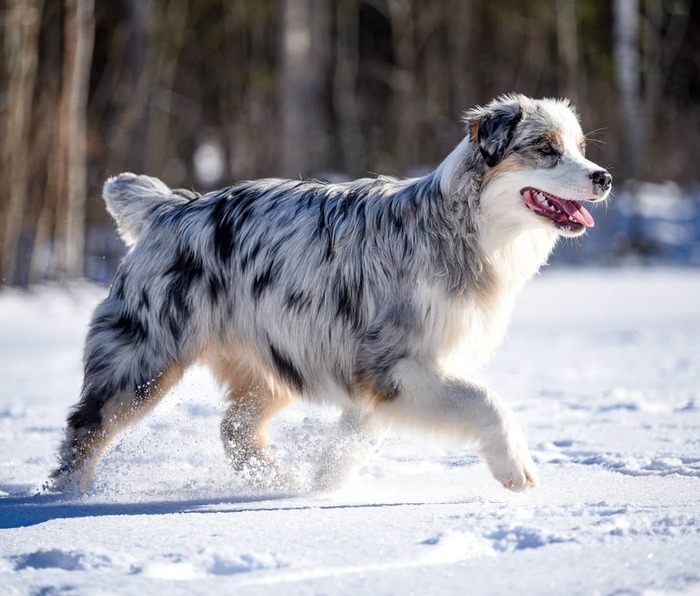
column 348, row 298
column 187, row 269
column 286, row 369
column 88, row 413
column 496, row 132
column 130, row 328
column 215, row 288
column 221, row 220
column 125, row 327
column 250, row 256
column 324, row 230
column 186, row 264
column 265, row 280
column 297, row 301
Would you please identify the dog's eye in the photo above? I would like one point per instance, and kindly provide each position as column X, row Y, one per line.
column 547, row 149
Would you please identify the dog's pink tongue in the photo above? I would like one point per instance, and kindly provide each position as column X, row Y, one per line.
column 580, row 214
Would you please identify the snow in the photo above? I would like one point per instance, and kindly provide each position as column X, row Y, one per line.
column 601, row 366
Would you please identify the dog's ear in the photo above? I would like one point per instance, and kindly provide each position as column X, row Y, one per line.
column 492, row 128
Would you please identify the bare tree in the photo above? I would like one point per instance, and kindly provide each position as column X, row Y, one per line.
column 660, row 49
column 71, row 170
column 626, row 40
column 22, row 25
column 406, row 96
column 305, row 137
column 172, row 35
column 345, row 82
column 461, row 27
column 567, row 43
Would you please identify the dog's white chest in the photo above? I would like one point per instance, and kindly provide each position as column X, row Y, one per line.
column 478, row 330
column 461, row 333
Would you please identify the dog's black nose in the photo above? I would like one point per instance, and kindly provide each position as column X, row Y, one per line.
column 601, row 179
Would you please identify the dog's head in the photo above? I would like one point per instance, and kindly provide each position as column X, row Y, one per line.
column 536, row 171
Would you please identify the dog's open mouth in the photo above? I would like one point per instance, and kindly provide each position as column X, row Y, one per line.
column 565, row 214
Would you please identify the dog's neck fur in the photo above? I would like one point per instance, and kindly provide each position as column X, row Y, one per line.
column 515, row 254
column 510, row 254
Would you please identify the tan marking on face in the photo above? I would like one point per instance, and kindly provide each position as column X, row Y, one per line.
column 554, row 137
column 515, row 162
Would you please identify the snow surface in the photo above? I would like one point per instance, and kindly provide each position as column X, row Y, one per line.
column 602, row 368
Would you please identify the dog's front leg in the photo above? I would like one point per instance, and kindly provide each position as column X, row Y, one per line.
column 430, row 400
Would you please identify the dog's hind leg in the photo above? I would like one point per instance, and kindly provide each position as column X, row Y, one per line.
column 254, row 402
column 358, row 436
column 429, row 400
column 127, row 371
column 244, row 432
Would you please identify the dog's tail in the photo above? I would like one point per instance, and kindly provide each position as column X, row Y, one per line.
column 134, row 200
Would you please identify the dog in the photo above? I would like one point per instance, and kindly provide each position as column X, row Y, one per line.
column 381, row 296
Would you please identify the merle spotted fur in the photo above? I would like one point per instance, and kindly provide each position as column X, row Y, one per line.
column 354, row 293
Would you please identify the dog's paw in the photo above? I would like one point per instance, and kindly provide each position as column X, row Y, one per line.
column 516, row 472
column 519, row 477
column 511, row 463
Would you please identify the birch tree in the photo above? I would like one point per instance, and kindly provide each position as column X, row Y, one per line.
column 304, row 139
column 626, row 41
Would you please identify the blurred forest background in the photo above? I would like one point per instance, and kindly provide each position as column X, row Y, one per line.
column 205, row 92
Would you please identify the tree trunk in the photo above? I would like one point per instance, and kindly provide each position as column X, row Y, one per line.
column 174, row 19
column 661, row 43
column 461, row 25
column 567, row 42
column 345, row 86
column 626, row 43
column 406, row 96
column 79, row 34
column 305, row 138
column 22, row 26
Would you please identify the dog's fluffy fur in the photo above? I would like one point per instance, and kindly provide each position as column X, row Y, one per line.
column 379, row 295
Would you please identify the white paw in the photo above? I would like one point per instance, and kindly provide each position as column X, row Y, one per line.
column 510, row 462
column 516, row 473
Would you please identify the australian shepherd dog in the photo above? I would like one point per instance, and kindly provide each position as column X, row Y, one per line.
column 381, row 296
